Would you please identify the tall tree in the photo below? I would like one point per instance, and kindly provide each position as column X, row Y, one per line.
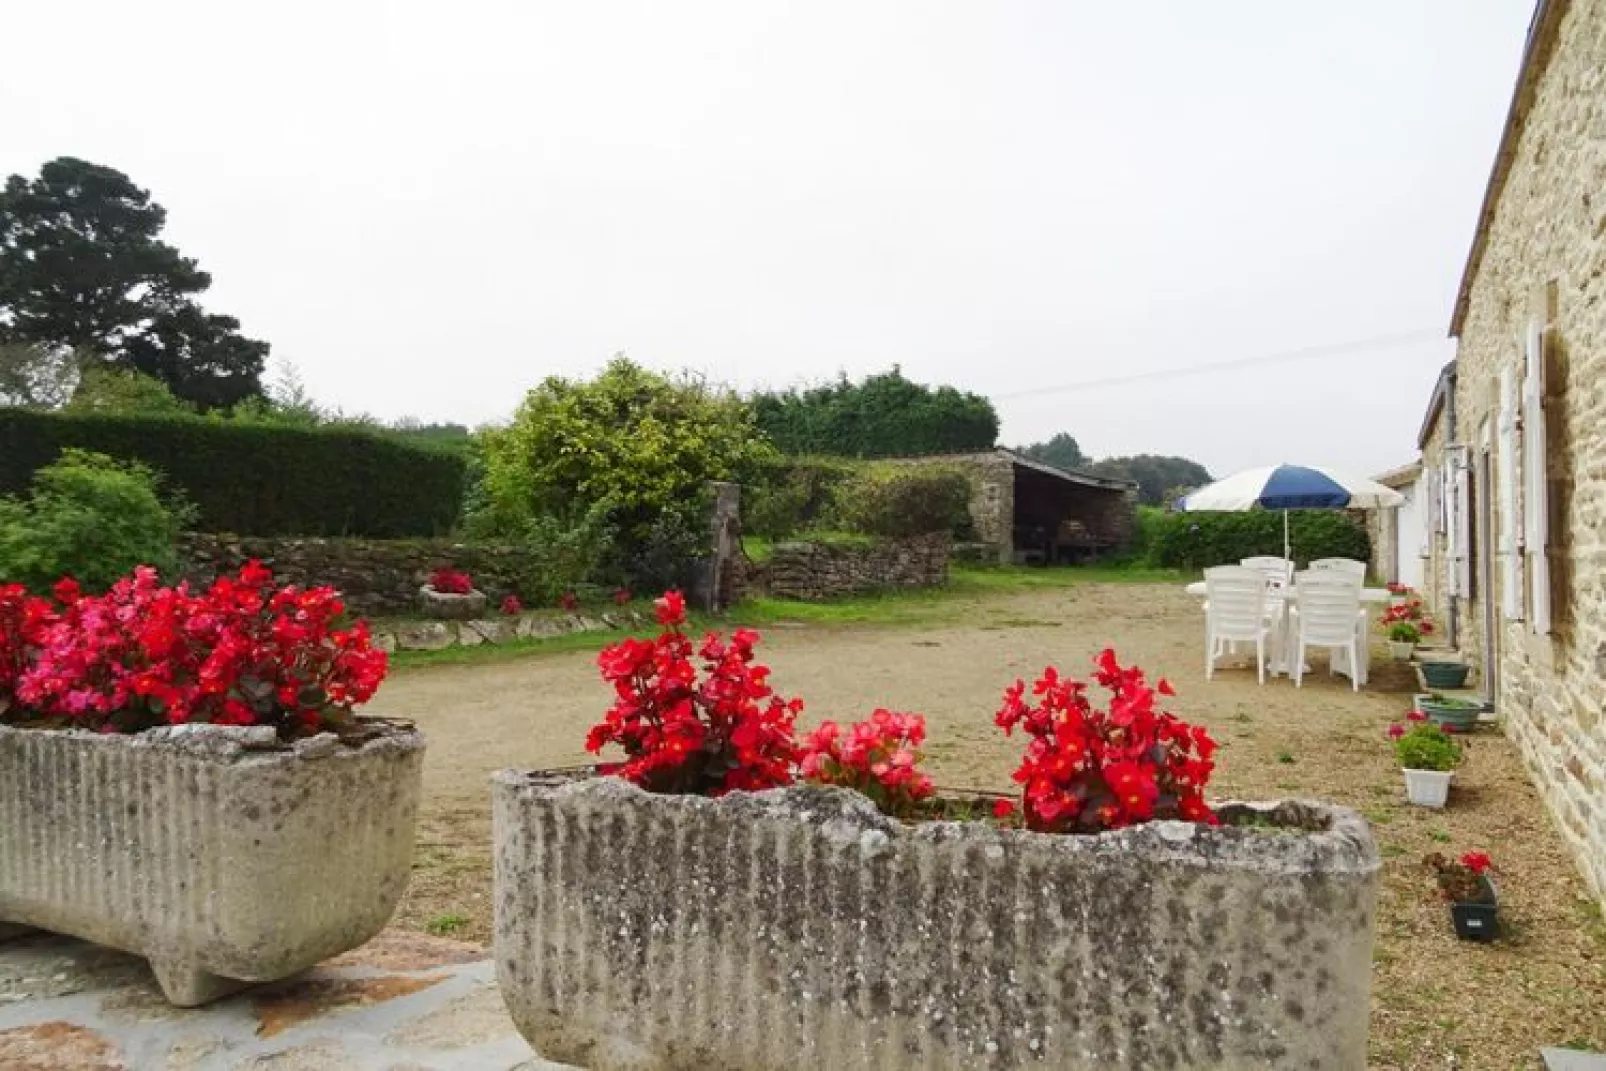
column 1155, row 475
column 82, row 266
column 1061, row 451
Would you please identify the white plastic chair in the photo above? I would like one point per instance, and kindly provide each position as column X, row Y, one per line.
column 1277, row 571
column 1346, row 566
column 1328, row 614
column 1235, row 610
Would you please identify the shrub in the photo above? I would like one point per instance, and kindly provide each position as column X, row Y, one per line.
column 89, row 517
column 729, row 731
column 1425, row 746
column 787, row 495
column 1087, row 770
column 240, row 653
column 1462, row 881
column 638, row 445
column 257, row 479
column 1202, row 540
column 906, row 500
column 563, row 554
column 878, row 757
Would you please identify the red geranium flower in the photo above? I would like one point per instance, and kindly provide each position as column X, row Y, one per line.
column 511, row 605
column 569, row 601
column 1477, row 862
column 621, row 596
column 446, row 580
column 878, row 757
column 1003, row 809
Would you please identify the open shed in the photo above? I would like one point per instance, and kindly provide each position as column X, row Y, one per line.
column 1035, row 513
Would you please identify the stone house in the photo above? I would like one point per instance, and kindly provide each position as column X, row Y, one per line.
column 1026, row 511
column 1399, row 535
column 1514, row 439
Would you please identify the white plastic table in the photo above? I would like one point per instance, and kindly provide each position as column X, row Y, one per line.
column 1282, row 598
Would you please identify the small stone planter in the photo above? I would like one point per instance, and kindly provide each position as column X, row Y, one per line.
column 1401, row 651
column 447, row 606
column 1428, row 788
column 222, row 856
column 800, row 928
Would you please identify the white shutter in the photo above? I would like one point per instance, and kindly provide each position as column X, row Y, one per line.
column 1536, row 498
column 1452, row 534
column 1463, row 530
column 1506, row 477
column 1420, row 493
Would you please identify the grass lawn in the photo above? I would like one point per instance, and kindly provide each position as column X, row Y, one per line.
column 968, row 586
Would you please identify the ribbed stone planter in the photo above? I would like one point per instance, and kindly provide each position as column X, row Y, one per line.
column 218, row 854
column 802, row 929
column 451, row 606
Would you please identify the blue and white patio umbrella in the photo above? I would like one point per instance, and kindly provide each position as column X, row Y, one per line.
column 1286, row 487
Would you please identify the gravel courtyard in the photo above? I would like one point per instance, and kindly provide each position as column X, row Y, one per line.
column 1437, row 1002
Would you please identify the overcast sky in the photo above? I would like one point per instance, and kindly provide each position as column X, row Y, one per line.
column 429, row 207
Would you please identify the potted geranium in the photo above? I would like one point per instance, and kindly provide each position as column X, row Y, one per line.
column 450, row 594
column 1474, row 900
column 852, row 923
column 185, row 778
column 1402, row 641
column 1428, row 756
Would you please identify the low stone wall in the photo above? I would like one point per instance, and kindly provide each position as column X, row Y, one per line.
column 539, row 624
column 375, row 576
column 818, row 571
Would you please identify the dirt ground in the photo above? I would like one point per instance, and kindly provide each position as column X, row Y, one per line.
column 1437, row 1002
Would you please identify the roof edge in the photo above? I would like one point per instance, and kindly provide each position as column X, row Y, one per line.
column 1536, row 53
column 1436, row 401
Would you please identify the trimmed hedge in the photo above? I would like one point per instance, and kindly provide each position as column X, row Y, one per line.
column 1202, row 540
column 257, row 479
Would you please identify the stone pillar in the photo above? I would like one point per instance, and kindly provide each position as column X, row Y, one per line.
column 716, row 582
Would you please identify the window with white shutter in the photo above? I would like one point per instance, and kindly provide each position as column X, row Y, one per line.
column 1449, row 515
column 1536, row 498
column 1510, row 545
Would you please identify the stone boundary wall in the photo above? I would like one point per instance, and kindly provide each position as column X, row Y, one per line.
column 538, row 624
column 820, row 571
column 376, row 576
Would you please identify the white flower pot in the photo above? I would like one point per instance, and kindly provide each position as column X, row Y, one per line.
column 1428, row 788
column 1401, row 651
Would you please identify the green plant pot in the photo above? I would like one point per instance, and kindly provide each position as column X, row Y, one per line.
column 1444, row 674
column 1450, row 713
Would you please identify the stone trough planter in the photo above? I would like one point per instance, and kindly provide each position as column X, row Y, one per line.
column 220, row 855
column 800, row 928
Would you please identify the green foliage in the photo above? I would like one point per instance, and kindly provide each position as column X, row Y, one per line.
column 639, row 445
column 1061, row 451
column 1427, row 747
column 1202, row 540
column 906, row 500
column 885, row 416
column 82, row 267
column 1156, row 476
column 36, row 375
column 787, row 495
column 90, row 517
column 117, row 390
column 256, row 479
column 564, row 554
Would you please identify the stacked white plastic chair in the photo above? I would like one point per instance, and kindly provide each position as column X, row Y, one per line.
column 1277, row 571
column 1328, row 614
column 1348, row 566
column 1235, row 611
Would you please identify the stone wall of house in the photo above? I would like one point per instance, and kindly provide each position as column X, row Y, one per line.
column 1546, row 255
column 818, row 571
column 375, row 576
column 992, row 496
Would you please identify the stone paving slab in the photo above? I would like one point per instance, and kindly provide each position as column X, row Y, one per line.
column 403, row 1002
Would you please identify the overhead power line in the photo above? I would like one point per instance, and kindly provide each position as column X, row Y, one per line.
column 1304, row 354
